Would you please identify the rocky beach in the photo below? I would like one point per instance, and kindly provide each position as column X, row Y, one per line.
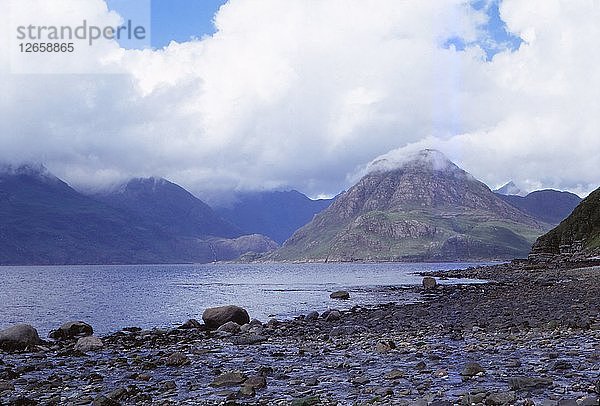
column 529, row 336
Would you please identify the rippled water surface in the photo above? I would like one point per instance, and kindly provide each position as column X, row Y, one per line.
column 112, row 297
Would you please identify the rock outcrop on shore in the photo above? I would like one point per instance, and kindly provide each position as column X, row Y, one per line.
column 531, row 336
column 71, row 329
column 575, row 238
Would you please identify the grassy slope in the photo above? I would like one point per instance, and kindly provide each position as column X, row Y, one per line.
column 487, row 237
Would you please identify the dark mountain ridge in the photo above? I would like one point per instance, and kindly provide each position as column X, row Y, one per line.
column 549, row 206
column 169, row 206
column 276, row 214
column 45, row 221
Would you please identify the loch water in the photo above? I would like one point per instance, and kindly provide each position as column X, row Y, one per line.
column 112, row 297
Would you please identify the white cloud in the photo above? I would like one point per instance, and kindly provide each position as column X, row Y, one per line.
column 300, row 94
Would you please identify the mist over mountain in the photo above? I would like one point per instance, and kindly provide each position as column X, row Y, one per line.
column 169, row 206
column 423, row 207
column 275, row 214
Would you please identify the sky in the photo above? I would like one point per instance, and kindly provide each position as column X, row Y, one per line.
column 182, row 20
column 264, row 94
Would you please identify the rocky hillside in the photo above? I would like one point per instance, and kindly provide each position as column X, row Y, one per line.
column 425, row 208
column 577, row 235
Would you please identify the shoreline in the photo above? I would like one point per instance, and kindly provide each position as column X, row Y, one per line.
column 527, row 335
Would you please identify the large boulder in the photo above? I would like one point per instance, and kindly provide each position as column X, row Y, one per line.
column 214, row 317
column 89, row 343
column 72, row 329
column 18, row 337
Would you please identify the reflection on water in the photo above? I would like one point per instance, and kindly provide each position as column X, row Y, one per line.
column 112, row 297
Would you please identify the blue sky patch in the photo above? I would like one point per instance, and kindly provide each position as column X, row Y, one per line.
column 175, row 20
column 495, row 36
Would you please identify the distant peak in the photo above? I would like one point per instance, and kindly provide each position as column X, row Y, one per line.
column 427, row 159
column 151, row 183
column 152, row 180
column 509, row 189
column 433, row 157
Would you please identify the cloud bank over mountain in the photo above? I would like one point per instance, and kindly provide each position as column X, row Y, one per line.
column 302, row 94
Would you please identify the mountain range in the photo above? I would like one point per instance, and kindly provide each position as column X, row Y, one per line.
column 45, row 221
column 169, row 206
column 424, row 209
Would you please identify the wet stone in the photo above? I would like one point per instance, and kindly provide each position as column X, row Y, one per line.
column 6, row 386
column 177, row 359
column 233, row 378
column 524, row 383
column 256, row 381
column 394, row 374
column 471, row 369
column 340, row 294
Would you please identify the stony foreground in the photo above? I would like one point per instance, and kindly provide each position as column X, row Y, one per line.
column 527, row 337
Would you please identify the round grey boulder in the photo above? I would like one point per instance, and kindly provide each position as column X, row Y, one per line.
column 331, row 315
column 72, row 329
column 18, row 337
column 89, row 343
column 215, row 317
